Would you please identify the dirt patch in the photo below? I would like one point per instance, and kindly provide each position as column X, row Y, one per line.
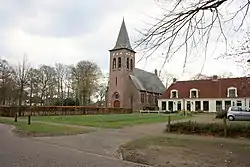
column 172, row 152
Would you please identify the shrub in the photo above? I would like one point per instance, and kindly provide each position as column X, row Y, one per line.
column 183, row 112
column 150, row 108
column 170, row 112
column 214, row 129
column 221, row 114
column 199, row 111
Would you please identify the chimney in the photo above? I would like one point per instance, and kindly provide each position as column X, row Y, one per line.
column 214, row 78
column 156, row 73
column 174, row 80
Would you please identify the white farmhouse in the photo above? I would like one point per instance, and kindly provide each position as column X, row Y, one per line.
column 209, row 95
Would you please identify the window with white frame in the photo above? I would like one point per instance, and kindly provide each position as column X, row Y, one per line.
column 239, row 103
column 232, row 92
column 174, row 94
column 193, row 93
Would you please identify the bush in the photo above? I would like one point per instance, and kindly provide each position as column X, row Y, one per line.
column 170, row 112
column 200, row 112
column 66, row 102
column 183, row 112
column 221, row 114
column 150, row 108
column 214, row 129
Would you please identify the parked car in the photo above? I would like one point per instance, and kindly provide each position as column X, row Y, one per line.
column 238, row 113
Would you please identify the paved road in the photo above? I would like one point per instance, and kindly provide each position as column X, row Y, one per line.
column 105, row 142
column 91, row 149
column 29, row 152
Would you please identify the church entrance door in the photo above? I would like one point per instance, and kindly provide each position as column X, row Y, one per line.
column 116, row 104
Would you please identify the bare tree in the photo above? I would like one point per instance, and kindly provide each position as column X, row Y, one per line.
column 102, row 89
column 239, row 53
column 166, row 77
column 33, row 84
column 225, row 75
column 21, row 78
column 60, row 70
column 49, row 85
column 200, row 76
column 6, row 75
column 46, row 82
column 190, row 23
column 69, row 81
column 86, row 75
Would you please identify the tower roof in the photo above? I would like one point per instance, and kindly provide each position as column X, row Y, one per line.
column 123, row 41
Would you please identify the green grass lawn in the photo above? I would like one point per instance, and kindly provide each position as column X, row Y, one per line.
column 109, row 121
column 43, row 129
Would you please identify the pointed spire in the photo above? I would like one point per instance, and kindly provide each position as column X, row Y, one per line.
column 123, row 38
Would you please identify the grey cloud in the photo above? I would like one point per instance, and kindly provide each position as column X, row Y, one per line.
column 12, row 12
column 77, row 18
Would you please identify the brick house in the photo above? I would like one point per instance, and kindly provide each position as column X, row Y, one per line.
column 130, row 87
column 210, row 95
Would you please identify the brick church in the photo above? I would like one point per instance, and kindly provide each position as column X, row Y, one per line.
column 130, row 87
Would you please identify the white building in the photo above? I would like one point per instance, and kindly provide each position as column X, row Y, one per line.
column 206, row 95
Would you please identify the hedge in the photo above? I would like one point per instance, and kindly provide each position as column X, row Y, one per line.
column 10, row 111
column 213, row 129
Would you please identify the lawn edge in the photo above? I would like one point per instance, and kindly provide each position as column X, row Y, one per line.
column 21, row 133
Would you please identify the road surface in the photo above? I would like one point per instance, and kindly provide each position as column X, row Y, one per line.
column 29, row 152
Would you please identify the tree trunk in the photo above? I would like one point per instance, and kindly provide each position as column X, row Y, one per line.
column 62, row 96
column 20, row 99
column 31, row 92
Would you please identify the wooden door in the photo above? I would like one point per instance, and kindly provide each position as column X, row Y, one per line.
column 116, row 104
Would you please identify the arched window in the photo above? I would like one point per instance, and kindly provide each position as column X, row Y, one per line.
column 116, row 95
column 127, row 63
column 119, row 62
column 131, row 64
column 193, row 93
column 114, row 63
column 142, row 98
column 231, row 92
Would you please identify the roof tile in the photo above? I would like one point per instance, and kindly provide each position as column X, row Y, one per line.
column 209, row 88
column 147, row 81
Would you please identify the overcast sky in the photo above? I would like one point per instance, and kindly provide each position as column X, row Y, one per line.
column 68, row 31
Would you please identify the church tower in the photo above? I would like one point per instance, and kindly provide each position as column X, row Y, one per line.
column 121, row 65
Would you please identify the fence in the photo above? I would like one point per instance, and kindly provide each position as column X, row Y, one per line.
column 10, row 111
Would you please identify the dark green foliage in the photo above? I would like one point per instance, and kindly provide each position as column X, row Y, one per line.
column 221, row 114
column 199, row 112
column 150, row 108
column 213, row 129
column 71, row 102
column 67, row 102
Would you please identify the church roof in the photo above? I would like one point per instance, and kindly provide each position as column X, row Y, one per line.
column 123, row 41
column 146, row 81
